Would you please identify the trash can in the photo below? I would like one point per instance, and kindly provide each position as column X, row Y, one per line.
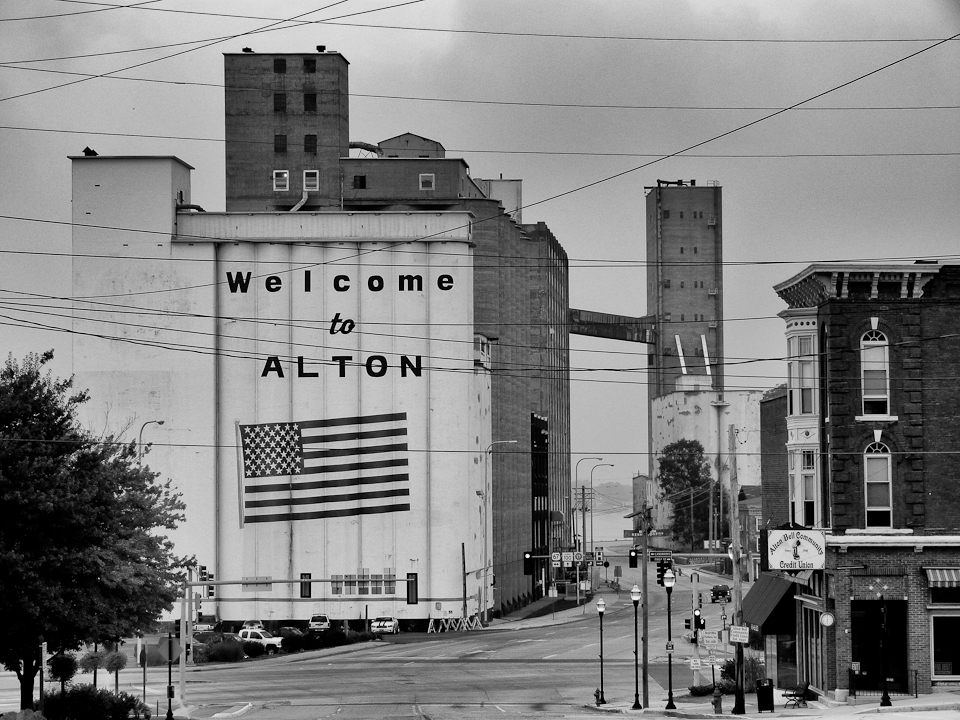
column 764, row 694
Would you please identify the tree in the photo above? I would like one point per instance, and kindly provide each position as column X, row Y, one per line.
column 82, row 554
column 684, row 476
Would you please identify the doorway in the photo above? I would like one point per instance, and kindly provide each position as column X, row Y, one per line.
column 879, row 629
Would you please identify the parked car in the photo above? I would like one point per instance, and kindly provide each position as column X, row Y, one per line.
column 318, row 623
column 202, row 627
column 255, row 624
column 270, row 642
column 385, row 625
column 720, row 593
column 290, row 631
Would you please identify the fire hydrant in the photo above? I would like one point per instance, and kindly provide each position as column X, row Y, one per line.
column 596, row 695
column 717, row 700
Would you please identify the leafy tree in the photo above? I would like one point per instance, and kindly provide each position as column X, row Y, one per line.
column 63, row 667
column 683, row 472
column 82, row 554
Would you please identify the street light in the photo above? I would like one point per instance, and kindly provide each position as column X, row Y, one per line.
column 485, row 495
column 636, row 595
column 576, row 478
column 601, row 606
column 669, row 580
column 140, row 439
column 592, row 503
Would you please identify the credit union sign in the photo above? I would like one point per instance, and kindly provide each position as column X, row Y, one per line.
column 796, row 549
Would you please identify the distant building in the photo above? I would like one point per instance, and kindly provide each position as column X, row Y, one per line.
column 869, row 458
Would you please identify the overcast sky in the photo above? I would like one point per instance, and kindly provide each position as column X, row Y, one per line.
column 525, row 88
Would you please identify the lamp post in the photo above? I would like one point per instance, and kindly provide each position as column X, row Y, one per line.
column 576, row 478
column 669, row 580
column 601, row 606
column 486, row 498
column 636, row 595
column 140, row 439
column 592, row 503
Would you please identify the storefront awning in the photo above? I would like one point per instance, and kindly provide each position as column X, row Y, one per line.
column 768, row 602
column 943, row 577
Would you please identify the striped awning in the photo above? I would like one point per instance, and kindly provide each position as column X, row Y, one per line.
column 943, row 577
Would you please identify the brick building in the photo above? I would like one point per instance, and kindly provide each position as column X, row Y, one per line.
column 870, row 457
column 288, row 149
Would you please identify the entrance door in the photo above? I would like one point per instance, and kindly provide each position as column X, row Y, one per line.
column 879, row 629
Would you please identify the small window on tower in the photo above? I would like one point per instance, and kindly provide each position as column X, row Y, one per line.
column 681, row 251
column 309, row 102
column 279, row 143
column 681, row 214
column 681, row 283
column 666, row 214
column 310, row 144
column 279, row 102
column 311, row 180
column 279, row 65
column 281, row 180
column 309, row 65
column 359, row 182
column 427, row 181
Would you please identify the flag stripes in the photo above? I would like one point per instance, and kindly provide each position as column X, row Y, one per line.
column 299, row 453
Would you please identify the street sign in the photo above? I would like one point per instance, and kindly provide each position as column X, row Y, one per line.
column 256, row 584
column 659, row 554
column 168, row 649
column 711, row 638
column 567, row 557
column 712, row 659
column 555, row 557
column 669, row 648
column 555, row 563
column 617, row 571
column 656, row 533
column 739, row 634
column 694, row 663
column 578, row 557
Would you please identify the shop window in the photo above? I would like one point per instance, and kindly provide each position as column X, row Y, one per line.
column 279, row 102
column 311, row 180
column 946, row 650
column 427, row 181
column 310, row 102
column 279, row 143
column 281, row 180
column 945, row 596
column 878, row 491
column 310, row 144
column 309, row 65
column 280, row 65
column 874, row 368
column 800, row 376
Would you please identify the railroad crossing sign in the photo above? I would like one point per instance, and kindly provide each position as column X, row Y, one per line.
column 168, row 648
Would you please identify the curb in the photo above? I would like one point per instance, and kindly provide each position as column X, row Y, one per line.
column 233, row 713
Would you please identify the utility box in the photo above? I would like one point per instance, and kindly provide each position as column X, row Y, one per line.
column 764, row 694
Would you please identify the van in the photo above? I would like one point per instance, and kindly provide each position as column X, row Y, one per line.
column 318, row 623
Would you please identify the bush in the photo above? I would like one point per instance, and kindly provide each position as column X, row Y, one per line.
column 85, row 702
column 253, row 649
column 201, row 652
column 226, row 651
column 752, row 669
column 293, row 643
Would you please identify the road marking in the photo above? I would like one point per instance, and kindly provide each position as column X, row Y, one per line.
column 499, row 708
column 547, row 657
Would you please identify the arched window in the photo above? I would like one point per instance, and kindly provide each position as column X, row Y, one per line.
column 874, row 370
column 876, row 463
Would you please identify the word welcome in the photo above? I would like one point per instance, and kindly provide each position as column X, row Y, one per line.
column 240, row 282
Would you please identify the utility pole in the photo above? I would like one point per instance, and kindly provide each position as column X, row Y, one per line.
column 738, row 702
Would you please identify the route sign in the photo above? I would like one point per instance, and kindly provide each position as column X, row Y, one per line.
column 555, row 557
column 555, row 563
column 578, row 557
column 739, row 634
column 567, row 557
column 168, row 649
column 669, row 648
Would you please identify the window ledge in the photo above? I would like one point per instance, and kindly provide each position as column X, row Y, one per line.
column 876, row 418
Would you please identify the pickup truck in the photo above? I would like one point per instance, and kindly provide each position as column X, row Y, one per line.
column 720, row 593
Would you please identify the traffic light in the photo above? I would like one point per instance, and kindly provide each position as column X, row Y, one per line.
column 700, row 599
column 528, row 563
column 413, row 590
column 203, row 572
column 686, row 624
column 633, row 557
column 211, row 589
column 661, row 571
column 697, row 619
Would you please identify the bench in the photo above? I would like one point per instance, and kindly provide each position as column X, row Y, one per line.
column 797, row 697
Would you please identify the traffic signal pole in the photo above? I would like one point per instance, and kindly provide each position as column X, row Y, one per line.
column 646, row 594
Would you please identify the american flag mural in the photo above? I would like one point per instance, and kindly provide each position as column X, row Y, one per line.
column 331, row 468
